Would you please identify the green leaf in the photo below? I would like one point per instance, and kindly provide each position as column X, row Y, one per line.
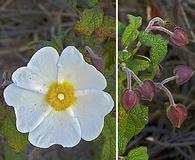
column 108, row 148
column 92, row 3
column 139, row 153
column 90, row 21
column 107, row 29
column 131, row 124
column 8, row 129
column 131, row 33
column 121, row 28
column 123, row 56
column 138, row 65
column 158, row 46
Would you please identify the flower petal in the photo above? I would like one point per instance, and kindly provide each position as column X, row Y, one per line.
column 30, row 107
column 57, row 128
column 91, row 108
column 73, row 68
column 41, row 70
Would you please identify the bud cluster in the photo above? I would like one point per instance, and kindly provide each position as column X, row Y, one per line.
column 146, row 90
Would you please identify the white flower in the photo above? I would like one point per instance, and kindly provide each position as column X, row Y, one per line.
column 58, row 100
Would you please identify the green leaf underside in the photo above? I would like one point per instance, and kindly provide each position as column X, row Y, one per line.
column 139, row 153
column 158, row 46
column 90, row 21
column 138, row 65
column 131, row 33
column 131, row 124
column 15, row 139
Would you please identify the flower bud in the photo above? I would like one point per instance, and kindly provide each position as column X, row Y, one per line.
column 183, row 73
column 177, row 115
column 130, row 99
column 98, row 63
column 147, row 90
column 179, row 37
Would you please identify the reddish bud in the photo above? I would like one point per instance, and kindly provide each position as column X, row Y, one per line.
column 179, row 37
column 147, row 90
column 183, row 73
column 130, row 99
column 177, row 115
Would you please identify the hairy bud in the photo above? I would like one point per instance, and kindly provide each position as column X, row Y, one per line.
column 177, row 115
column 130, row 99
column 183, row 73
column 147, row 90
column 179, row 37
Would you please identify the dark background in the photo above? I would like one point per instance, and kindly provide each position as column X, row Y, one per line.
column 166, row 138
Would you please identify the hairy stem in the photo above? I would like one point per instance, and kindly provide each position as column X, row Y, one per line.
column 148, row 59
column 168, row 93
column 128, row 71
column 135, row 77
column 162, row 29
column 169, row 79
column 157, row 20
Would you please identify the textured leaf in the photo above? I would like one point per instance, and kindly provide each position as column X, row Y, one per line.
column 158, row 46
column 8, row 129
column 121, row 28
column 90, row 21
column 138, row 65
column 131, row 33
column 131, row 124
column 123, row 56
column 108, row 28
column 139, row 153
column 109, row 146
column 92, row 3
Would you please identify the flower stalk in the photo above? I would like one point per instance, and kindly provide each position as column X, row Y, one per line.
column 128, row 71
column 162, row 29
column 169, row 79
column 167, row 92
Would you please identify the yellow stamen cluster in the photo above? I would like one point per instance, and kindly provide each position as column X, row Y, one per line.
column 61, row 96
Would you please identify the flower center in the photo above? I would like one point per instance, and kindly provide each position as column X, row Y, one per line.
column 61, row 96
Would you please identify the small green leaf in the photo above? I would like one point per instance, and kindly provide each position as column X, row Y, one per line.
column 8, row 129
column 90, row 21
column 123, row 56
column 131, row 124
column 139, row 153
column 158, row 46
column 138, row 65
column 131, row 33
column 121, row 28
column 92, row 3
column 108, row 148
